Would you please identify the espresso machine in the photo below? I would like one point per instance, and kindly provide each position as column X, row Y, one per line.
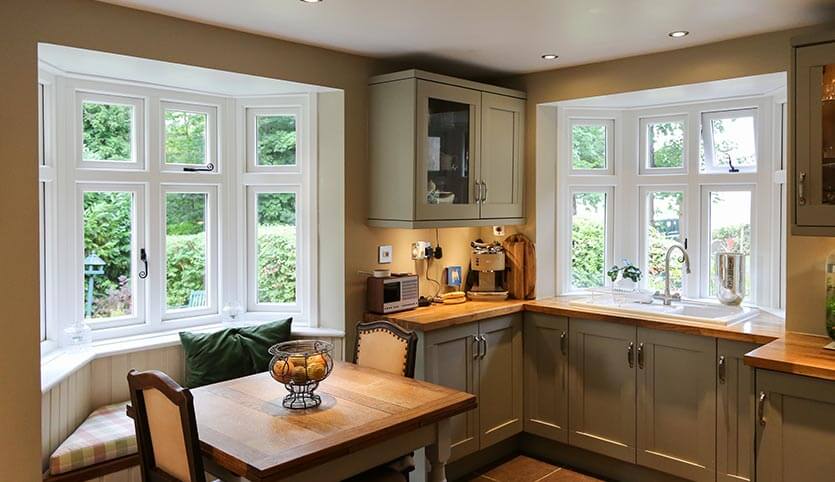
column 486, row 280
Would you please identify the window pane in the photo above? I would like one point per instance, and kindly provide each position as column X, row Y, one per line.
column 185, row 137
column 733, row 140
column 108, row 132
column 665, row 142
column 588, row 147
column 276, row 247
column 108, row 251
column 588, row 239
column 185, row 246
column 664, row 229
column 276, row 139
column 44, row 260
column 730, row 224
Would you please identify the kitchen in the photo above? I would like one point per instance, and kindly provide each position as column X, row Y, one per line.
column 523, row 195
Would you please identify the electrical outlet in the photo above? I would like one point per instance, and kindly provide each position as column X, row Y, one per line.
column 384, row 253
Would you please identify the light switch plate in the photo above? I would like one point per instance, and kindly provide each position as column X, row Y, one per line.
column 384, row 254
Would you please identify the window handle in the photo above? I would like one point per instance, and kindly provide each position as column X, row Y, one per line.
column 143, row 258
column 209, row 168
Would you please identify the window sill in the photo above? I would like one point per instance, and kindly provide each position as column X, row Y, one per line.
column 60, row 363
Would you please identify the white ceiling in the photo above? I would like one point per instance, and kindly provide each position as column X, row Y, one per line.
column 91, row 63
column 755, row 85
column 498, row 36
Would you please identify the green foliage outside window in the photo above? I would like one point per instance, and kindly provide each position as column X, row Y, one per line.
column 185, row 137
column 107, row 232
column 107, row 131
column 666, row 144
column 587, row 253
column 588, row 146
column 276, row 140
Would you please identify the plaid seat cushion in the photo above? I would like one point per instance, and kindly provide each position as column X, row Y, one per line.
column 107, row 434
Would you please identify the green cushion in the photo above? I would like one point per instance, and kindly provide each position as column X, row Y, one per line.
column 230, row 353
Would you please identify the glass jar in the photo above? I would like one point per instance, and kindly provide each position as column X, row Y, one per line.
column 830, row 295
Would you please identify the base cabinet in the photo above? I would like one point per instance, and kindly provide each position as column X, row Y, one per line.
column 676, row 415
column 485, row 359
column 795, row 428
column 734, row 412
column 546, row 376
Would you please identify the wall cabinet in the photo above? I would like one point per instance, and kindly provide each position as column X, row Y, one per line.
column 444, row 152
column 734, row 412
column 546, row 376
column 813, row 84
column 795, row 428
column 483, row 358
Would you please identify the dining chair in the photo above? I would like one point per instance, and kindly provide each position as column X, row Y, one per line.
column 387, row 347
column 166, row 428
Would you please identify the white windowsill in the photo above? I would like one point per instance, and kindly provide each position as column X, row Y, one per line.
column 60, row 363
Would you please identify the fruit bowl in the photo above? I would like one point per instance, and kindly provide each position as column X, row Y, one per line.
column 300, row 365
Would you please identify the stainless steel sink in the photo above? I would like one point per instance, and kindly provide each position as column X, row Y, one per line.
column 686, row 310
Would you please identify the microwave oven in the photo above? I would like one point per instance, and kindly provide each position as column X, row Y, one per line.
column 392, row 294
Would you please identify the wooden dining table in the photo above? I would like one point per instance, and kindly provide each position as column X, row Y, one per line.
column 367, row 418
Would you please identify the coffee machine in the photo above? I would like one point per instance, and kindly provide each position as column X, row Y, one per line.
column 486, row 280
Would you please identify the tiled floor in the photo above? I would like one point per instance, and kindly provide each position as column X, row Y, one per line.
column 526, row 469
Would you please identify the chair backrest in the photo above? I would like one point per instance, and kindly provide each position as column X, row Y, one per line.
column 166, row 428
column 385, row 346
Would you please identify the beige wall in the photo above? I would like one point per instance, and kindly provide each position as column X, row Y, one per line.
column 734, row 58
column 98, row 26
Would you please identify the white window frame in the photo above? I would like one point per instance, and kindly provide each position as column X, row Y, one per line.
column 47, row 187
column 643, row 224
column 139, row 241
column 212, row 219
column 609, row 126
column 707, row 137
column 211, row 113
column 644, row 161
column 706, row 258
column 137, row 161
column 302, row 140
column 609, row 232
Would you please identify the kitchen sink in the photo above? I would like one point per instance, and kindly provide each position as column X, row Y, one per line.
column 686, row 310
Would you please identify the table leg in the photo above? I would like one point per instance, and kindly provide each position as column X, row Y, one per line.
column 438, row 452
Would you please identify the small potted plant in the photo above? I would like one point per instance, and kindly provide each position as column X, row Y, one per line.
column 629, row 274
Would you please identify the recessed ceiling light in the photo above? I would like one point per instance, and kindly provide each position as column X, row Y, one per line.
column 311, row 1
column 679, row 33
column 550, row 56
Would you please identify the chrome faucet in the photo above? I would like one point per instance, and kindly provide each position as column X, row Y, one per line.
column 668, row 298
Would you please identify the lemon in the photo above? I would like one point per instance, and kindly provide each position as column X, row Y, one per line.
column 316, row 371
column 299, row 374
column 282, row 370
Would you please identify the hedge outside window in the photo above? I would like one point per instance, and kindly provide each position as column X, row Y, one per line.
column 107, row 132
column 186, row 137
column 276, row 247
column 276, row 140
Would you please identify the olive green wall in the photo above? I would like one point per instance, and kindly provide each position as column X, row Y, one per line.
column 741, row 57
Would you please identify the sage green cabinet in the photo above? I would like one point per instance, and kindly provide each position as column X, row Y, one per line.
column 602, row 388
column 795, row 428
column 676, row 411
column 483, row 358
column 444, row 152
column 546, row 376
column 734, row 412
column 813, row 86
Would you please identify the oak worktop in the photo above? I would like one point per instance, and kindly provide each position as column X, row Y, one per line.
column 796, row 353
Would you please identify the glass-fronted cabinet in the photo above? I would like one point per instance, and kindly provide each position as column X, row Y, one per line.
column 447, row 152
column 814, row 136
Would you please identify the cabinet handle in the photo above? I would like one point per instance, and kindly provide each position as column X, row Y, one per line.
column 641, row 356
column 761, row 408
column 477, row 347
column 563, row 345
column 630, row 355
column 801, row 188
column 722, row 369
column 477, row 191
column 484, row 340
column 484, row 194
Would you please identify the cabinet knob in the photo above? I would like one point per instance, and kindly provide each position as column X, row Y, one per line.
column 801, row 188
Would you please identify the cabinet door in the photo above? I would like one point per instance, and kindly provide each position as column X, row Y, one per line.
column 448, row 152
column 500, row 379
column 502, row 134
column 815, row 135
column 602, row 387
column 734, row 412
column 795, row 428
column 546, row 376
column 451, row 360
column 677, row 403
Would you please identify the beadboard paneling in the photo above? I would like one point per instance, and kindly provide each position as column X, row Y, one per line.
column 104, row 381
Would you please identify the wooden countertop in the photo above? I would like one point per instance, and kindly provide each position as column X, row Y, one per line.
column 435, row 317
column 796, row 353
